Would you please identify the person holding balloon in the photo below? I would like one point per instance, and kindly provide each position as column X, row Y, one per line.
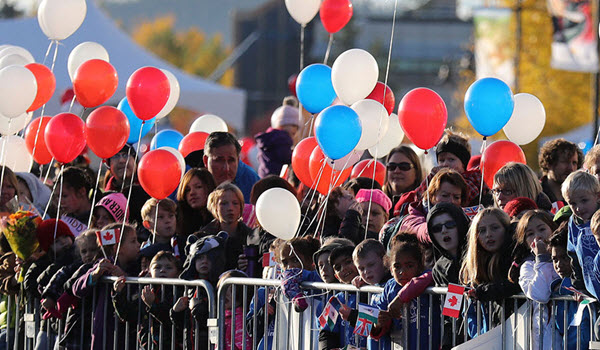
column 558, row 158
column 192, row 199
column 275, row 145
column 403, row 172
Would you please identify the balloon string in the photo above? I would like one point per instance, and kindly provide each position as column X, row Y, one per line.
column 125, row 170
column 483, row 146
column 155, row 221
column 71, row 104
column 597, row 133
column 2, row 158
column 48, row 171
column 130, row 187
column 301, row 67
column 328, row 48
column 47, row 52
column 311, row 193
column 51, row 194
column 427, row 192
column 95, row 193
column 58, row 209
column 54, row 58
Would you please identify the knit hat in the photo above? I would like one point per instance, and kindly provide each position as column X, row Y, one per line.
column 287, row 114
column 456, row 213
column 196, row 247
column 376, row 196
column 455, row 148
column 45, row 232
column 115, row 204
column 519, row 204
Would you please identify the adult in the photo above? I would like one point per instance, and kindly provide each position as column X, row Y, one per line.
column 32, row 192
column 591, row 163
column 515, row 180
column 74, row 200
column 403, row 173
column 558, row 158
column 222, row 159
column 192, row 196
column 10, row 188
column 122, row 167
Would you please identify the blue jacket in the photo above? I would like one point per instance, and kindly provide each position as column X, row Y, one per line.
column 571, row 309
column 344, row 328
column 582, row 242
column 260, row 317
column 245, row 178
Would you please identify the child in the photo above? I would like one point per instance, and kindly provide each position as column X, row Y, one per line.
column 157, row 301
column 536, row 272
column 75, row 202
column 298, row 266
column 375, row 211
column 126, row 252
column 162, row 226
column 485, row 267
column 561, row 286
column 581, row 191
column 234, row 311
column 275, row 145
column 321, row 257
column 409, row 280
column 111, row 208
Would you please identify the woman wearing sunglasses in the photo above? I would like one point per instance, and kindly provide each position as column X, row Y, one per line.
column 403, row 173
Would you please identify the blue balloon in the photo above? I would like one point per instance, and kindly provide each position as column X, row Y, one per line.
column 489, row 104
column 167, row 137
column 135, row 123
column 314, row 88
column 338, row 130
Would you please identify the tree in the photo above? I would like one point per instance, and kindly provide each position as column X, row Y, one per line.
column 567, row 96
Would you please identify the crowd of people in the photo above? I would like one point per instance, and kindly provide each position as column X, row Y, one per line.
column 525, row 234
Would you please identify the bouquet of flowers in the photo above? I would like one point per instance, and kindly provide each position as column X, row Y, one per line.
column 20, row 230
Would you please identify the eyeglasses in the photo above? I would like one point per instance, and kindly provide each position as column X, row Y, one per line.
column 438, row 228
column 497, row 192
column 404, row 166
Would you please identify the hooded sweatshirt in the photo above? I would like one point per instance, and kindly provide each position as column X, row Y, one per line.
column 447, row 267
column 40, row 193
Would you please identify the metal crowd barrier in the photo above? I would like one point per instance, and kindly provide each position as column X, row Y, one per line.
column 288, row 329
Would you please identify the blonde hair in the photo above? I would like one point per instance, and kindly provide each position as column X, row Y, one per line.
column 580, row 181
column 520, row 178
column 595, row 223
column 591, row 157
column 166, row 204
column 479, row 266
column 214, row 196
column 87, row 236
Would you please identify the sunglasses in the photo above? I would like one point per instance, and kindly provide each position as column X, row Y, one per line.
column 438, row 228
column 404, row 166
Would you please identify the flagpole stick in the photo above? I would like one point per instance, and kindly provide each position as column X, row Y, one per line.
column 59, row 199
column 155, row 221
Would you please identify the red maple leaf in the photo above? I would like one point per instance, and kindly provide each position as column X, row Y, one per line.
column 453, row 300
column 108, row 236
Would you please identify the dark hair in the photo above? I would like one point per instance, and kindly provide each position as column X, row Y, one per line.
column 367, row 246
column 341, row 251
column 560, row 236
column 361, row 183
column 414, row 159
column 188, row 220
column 552, row 150
column 239, row 292
column 306, row 246
column 77, row 178
column 406, row 242
column 218, row 139
column 268, row 182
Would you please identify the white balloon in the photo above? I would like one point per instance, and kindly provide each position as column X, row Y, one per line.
column 13, row 60
column 354, row 75
column 12, row 126
column 83, row 52
column 348, row 161
column 374, row 120
column 173, row 96
column 392, row 138
column 208, row 123
column 303, row 11
column 18, row 88
column 179, row 156
column 278, row 212
column 15, row 155
column 527, row 121
column 16, row 50
column 58, row 19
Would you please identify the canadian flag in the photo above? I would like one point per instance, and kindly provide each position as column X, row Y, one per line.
column 453, row 301
column 268, row 259
column 109, row 237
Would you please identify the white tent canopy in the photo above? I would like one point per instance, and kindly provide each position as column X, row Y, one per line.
column 126, row 56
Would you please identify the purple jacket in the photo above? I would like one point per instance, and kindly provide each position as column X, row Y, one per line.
column 416, row 222
column 274, row 150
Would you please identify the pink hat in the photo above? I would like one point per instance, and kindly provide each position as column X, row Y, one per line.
column 376, row 196
column 115, row 204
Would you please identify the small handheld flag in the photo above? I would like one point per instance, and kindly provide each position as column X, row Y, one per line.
column 268, row 259
column 453, row 300
column 330, row 313
column 109, row 237
column 367, row 317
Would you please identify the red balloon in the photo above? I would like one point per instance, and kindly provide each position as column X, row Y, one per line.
column 95, row 81
column 159, row 173
column 107, row 131
column 292, row 83
column 41, row 155
column 46, row 84
column 247, row 144
column 423, row 116
column 65, row 137
column 328, row 178
column 377, row 95
column 301, row 158
column 147, row 91
column 192, row 142
column 335, row 14
column 365, row 168
column 496, row 155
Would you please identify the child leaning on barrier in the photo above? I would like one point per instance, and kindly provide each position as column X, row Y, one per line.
column 410, row 279
column 582, row 191
column 126, row 251
column 563, row 287
column 234, row 313
column 156, row 303
column 536, row 273
column 298, row 266
column 485, row 269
